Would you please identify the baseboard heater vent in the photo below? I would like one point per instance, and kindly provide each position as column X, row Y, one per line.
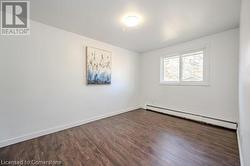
column 195, row 117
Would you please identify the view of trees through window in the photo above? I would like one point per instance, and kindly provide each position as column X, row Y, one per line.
column 185, row 67
column 192, row 67
column 171, row 69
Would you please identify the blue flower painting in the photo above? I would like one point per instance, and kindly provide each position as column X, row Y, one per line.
column 98, row 66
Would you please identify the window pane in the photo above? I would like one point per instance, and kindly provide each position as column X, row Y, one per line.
column 192, row 67
column 171, row 68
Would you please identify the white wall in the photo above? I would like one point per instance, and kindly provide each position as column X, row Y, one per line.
column 244, row 81
column 218, row 100
column 43, row 83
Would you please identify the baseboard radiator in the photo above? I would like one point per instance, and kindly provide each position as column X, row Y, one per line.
column 195, row 117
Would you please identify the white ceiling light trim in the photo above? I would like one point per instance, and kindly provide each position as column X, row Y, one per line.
column 131, row 20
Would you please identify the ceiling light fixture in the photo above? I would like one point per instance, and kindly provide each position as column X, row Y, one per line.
column 131, row 21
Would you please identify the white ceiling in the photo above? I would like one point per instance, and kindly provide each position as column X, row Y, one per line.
column 165, row 22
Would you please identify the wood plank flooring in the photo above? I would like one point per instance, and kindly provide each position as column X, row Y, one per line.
column 132, row 139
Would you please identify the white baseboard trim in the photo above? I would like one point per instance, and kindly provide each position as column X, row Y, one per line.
column 239, row 146
column 36, row 134
column 213, row 121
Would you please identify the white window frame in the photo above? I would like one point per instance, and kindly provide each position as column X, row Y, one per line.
column 181, row 54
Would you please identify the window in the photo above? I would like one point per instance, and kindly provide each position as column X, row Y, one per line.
column 171, row 68
column 185, row 68
column 192, row 66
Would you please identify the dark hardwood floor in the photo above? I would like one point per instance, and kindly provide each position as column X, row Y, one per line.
column 135, row 138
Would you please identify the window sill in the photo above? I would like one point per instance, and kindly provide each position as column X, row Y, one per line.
column 184, row 83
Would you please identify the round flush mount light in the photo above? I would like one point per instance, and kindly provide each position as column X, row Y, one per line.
column 131, row 20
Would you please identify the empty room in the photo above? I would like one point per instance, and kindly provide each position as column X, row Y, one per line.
column 125, row 82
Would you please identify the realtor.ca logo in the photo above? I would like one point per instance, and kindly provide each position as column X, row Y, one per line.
column 15, row 18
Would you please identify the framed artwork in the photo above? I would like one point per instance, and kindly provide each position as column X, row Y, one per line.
column 99, row 64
